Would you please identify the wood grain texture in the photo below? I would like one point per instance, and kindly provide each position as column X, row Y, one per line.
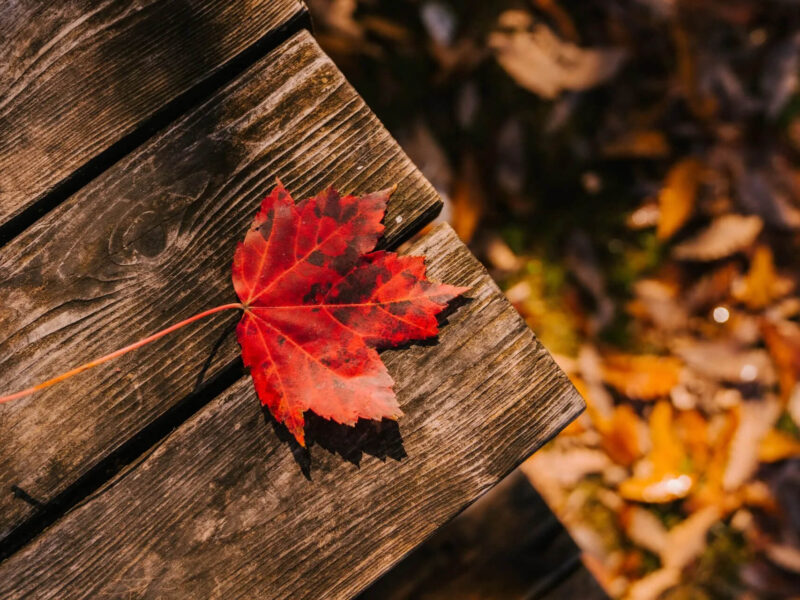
column 508, row 545
column 150, row 242
column 222, row 510
column 76, row 76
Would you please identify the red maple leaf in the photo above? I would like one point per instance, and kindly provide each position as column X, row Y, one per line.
column 318, row 301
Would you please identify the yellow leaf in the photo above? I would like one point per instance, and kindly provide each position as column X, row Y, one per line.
column 677, row 197
column 693, row 431
column 777, row 445
column 762, row 284
column 709, row 491
column 667, row 480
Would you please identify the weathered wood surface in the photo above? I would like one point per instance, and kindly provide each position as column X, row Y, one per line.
column 222, row 510
column 76, row 76
column 507, row 545
column 150, row 242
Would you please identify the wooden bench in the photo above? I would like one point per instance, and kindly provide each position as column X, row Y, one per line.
column 136, row 141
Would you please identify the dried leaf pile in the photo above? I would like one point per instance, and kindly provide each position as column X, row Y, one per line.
column 630, row 169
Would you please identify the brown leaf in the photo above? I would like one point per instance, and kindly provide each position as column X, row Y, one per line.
column 784, row 556
column 620, row 433
column 657, row 302
column 783, row 343
column 645, row 529
column 639, row 143
column 755, row 419
column 645, row 216
column 687, row 540
column 541, row 62
column 724, row 361
column 711, row 289
column 725, row 236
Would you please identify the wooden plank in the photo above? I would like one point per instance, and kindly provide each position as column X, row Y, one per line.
column 77, row 77
column 508, row 544
column 150, row 242
column 222, row 510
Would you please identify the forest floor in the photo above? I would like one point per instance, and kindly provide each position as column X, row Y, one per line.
column 629, row 171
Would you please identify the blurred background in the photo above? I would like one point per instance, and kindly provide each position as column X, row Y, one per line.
column 628, row 171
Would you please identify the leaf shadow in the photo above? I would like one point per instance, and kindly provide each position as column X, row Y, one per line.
column 381, row 439
column 442, row 320
column 201, row 376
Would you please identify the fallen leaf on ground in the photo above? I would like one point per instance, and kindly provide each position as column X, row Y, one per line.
column 726, row 235
column 666, row 479
column 652, row 585
column 677, row 197
column 468, row 200
column 784, row 556
column 541, row 62
column 658, row 303
column 755, row 419
column 640, row 143
column 644, row 377
column 762, row 284
column 726, row 362
column 645, row 529
column 692, row 429
column 777, row 445
column 687, row 539
column 782, row 339
column 620, row 433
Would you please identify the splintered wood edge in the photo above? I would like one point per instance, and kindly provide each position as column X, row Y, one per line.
column 79, row 284
column 221, row 509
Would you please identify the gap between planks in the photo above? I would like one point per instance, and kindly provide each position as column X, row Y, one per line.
column 78, row 283
column 25, row 212
column 222, row 509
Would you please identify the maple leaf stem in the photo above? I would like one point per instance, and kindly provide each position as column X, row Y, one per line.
column 120, row 352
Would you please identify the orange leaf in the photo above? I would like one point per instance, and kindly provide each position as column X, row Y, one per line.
column 677, row 197
column 620, row 435
column 762, row 284
column 468, row 200
column 641, row 143
column 646, row 377
column 693, row 432
column 667, row 480
column 783, row 343
column 777, row 445
column 709, row 491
